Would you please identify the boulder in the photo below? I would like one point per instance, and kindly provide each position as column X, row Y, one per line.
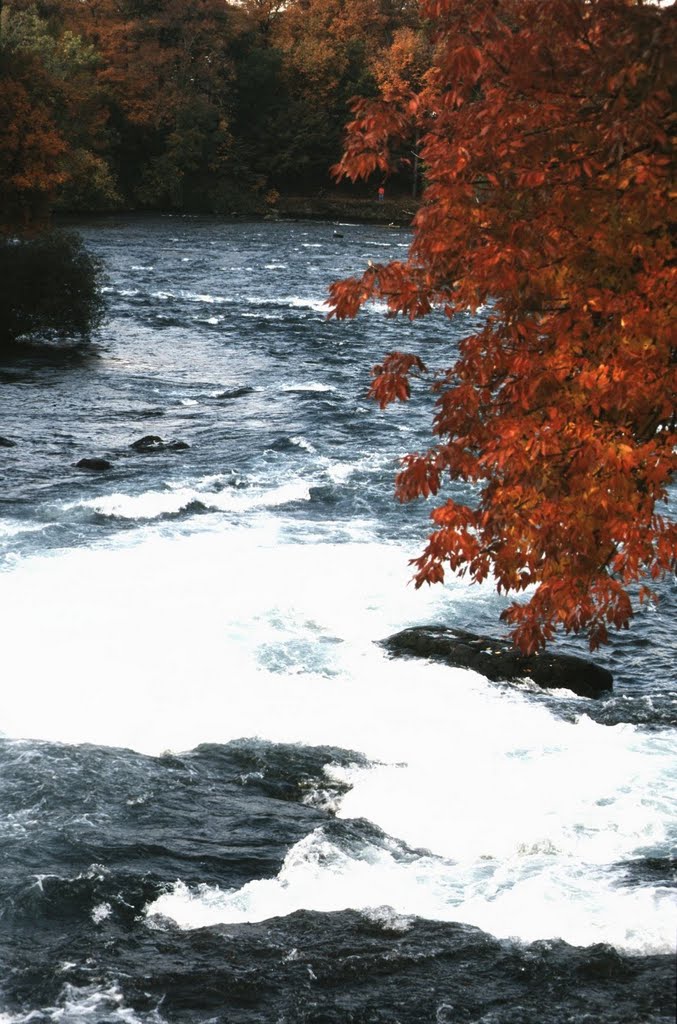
column 5, row 442
column 95, row 464
column 148, row 443
column 500, row 659
column 153, row 443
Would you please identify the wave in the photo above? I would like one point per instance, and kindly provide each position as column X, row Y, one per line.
column 319, row 874
column 204, row 297
column 159, row 504
column 311, row 387
column 551, row 865
column 13, row 528
column 290, row 444
column 319, row 305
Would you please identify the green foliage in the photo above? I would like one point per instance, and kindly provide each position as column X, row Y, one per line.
column 49, row 290
column 61, row 57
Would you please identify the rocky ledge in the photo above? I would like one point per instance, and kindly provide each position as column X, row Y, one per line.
column 500, row 659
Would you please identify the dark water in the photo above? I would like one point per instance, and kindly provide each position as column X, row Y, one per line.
column 219, row 800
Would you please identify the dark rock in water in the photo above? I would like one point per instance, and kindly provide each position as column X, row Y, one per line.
column 153, row 443
column 324, row 494
column 500, row 659
column 235, row 393
column 95, row 464
column 288, row 444
column 5, row 442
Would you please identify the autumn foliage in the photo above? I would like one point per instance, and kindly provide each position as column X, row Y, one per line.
column 162, row 104
column 545, row 133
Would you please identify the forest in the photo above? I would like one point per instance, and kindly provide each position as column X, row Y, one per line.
column 206, row 106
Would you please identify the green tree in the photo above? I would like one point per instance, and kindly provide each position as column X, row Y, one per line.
column 49, row 290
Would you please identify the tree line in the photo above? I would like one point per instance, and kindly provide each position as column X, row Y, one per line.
column 200, row 105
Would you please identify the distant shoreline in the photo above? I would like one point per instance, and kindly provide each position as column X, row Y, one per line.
column 399, row 211
column 338, row 209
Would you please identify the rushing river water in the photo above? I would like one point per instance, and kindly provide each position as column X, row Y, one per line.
column 220, row 801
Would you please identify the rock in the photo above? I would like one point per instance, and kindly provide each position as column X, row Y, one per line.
column 5, row 442
column 234, row 393
column 153, row 443
column 287, row 444
column 500, row 659
column 95, row 464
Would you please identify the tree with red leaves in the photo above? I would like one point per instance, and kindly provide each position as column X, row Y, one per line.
column 545, row 134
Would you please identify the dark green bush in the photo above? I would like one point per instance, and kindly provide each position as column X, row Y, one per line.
column 49, row 290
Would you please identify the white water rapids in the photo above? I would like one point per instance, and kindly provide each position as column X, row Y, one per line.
column 174, row 636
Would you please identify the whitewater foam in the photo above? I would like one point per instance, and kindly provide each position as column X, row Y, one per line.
column 525, row 817
column 522, row 901
column 309, row 386
column 157, row 504
column 90, row 1003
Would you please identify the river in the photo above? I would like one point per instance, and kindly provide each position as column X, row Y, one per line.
column 220, row 800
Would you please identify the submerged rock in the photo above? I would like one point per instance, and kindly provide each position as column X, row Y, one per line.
column 500, row 659
column 95, row 464
column 153, row 443
column 234, row 393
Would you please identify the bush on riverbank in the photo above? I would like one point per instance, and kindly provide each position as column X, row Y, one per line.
column 49, row 290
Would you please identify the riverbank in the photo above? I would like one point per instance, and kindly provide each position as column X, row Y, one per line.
column 340, row 208
column 337, row 208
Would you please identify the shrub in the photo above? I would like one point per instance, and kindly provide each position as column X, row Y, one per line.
column 49, row 290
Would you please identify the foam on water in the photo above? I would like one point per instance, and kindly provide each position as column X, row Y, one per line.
column 181, row 630
column 309, row 386
column 94, row 1003
column 155, row 504
column 526, row 901
column 12, row 528
column 167, row 641
column 320, row 305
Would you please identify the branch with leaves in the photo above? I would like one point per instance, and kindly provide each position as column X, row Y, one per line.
column 545, row 131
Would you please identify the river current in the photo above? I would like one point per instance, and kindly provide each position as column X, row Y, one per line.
column 220, row 800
